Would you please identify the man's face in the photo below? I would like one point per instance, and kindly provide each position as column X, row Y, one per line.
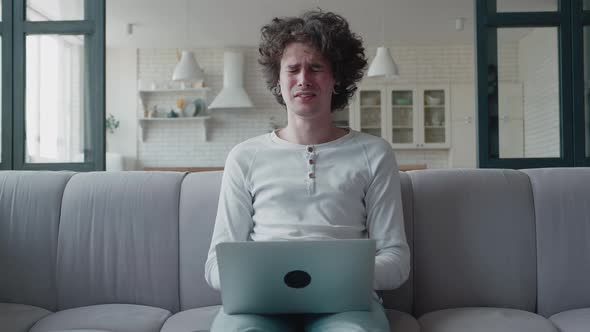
column 306, row 80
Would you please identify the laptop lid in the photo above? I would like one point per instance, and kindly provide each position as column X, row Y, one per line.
column 275, row 277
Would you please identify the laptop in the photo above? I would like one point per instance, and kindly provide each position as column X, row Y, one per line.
column 280, row 277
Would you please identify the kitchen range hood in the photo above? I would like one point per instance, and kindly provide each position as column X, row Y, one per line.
column 232, row 94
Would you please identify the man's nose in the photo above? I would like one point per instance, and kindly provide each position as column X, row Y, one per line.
column 304, row 78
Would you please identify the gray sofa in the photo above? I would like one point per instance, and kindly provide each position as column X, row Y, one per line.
column 492, row 250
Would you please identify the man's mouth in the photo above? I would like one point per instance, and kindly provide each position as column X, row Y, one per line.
column 305, row 95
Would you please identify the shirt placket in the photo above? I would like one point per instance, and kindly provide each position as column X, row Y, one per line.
column 311, row 157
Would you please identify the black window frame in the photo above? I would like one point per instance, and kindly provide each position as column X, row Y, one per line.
column 568, row 20
column 14, row 87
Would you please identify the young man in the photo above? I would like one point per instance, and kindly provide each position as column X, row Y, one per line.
column 311, row 180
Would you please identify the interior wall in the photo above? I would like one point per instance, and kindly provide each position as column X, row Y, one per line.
column 121, row 102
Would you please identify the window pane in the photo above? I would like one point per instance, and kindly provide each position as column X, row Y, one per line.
column 54, row 99
column 586, row 59
column 586, row 4
column 527, row 6
column 528, row 119
column 55, row 10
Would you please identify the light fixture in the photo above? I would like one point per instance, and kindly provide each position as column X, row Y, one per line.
column 383, row 64
column 188, row 70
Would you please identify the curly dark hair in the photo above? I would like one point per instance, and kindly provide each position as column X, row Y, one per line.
column 330, row 35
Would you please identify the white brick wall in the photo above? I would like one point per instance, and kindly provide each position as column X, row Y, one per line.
column 538, row 65
column 181, row 144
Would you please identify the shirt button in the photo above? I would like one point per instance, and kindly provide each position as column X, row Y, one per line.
column 311, row 176
column 310, row 149
column 311, row 162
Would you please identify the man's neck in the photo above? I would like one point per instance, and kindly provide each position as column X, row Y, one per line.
column 300, row 131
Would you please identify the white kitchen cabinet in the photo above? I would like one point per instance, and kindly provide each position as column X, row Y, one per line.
column 408, row 117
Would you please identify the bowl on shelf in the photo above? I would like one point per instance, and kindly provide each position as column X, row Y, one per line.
column 432, row 101
column 402, row 101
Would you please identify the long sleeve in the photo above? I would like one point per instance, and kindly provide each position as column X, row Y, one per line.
column 234, row 211
column 385, row 221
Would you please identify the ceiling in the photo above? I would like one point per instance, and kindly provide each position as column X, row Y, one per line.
column 233, row 23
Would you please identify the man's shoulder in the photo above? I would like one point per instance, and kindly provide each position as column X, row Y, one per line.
column 372, row 143
column 247, row 149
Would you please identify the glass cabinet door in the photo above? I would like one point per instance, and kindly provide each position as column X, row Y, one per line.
column 402, row 117
column 370, row 112
column 434, row 120
column 341, row 118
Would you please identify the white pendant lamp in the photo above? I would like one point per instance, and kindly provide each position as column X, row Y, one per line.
column 383, row 64
column 188, row 69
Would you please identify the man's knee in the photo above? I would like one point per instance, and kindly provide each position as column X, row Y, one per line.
column 250, row 323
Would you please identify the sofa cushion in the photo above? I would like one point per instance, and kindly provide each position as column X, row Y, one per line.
column 192, row 320
column 30, row 205
column 484, row 320
column 474, row 240
column 118, row 240
column 401, row 321
column 572, row 320
column 108, row 317
column 563, row 229
column 200, row 319
column 198, row 207
column 19, row 317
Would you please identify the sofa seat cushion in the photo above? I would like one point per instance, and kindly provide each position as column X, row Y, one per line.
column 484, row 320
column 19, row 317
column 572, row 320
column 109, row 317
column 200, row 319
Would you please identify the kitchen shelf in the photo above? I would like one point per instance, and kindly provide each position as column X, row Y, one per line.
column 144, row 123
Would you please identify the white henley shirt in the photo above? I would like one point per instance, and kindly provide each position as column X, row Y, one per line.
column 348, row 188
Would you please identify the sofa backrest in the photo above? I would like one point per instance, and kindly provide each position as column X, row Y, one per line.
column 118, row 239
column 198, row 207
column 562, row 210
column 30, row 204
column 474, row 240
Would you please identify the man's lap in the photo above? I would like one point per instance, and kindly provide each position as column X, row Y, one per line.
column 353, row 321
